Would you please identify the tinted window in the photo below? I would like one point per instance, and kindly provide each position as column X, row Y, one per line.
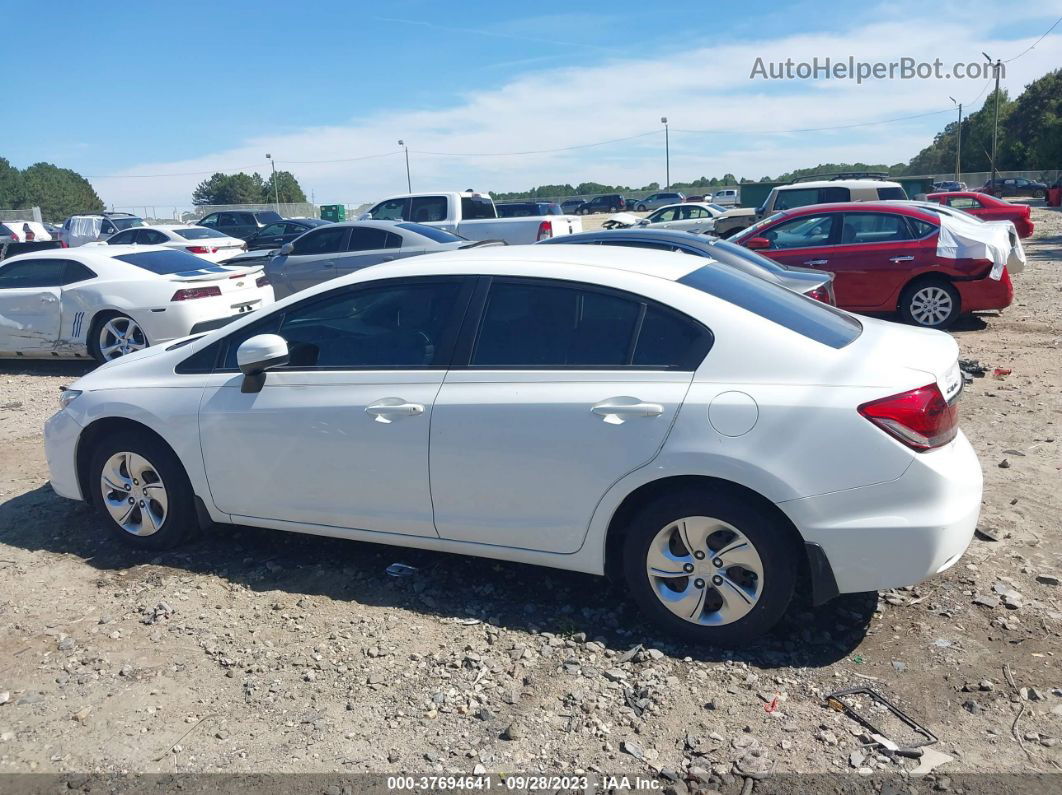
column 473, row 207
column 528, row 324
column 322, row 241
column 834, row 194
column 392, row 210
column 427, row 209
column 273, row 230
column 150, row 237
column 122, row 238
column 210, row 220
column 430, row 232
column 873, row 228
column 891, row 193
column 76, row 272
column 198, row 233
column 369, row 239
column 517, row 210
column 805, row 316
column 230, row 219
column 33, row 273
column 921, row 228
column 163, row 262
column 798, row 197
column 400, row 325
column 807, row 230
column 107, row 228
column 127, row 223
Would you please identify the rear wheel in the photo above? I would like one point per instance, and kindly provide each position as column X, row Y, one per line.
column 116, row 335
column 641, row 208
column 710, row 566
column 141, row 490
column 930, row 304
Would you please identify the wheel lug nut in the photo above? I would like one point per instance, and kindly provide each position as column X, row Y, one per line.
column 717, row 580
column 131, row 500
column 698, row 583
column 688, row 567
column 698, row 555
column 141, row 503
column 718, row 563
column 127, row 487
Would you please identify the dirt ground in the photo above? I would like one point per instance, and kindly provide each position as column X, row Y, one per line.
column 259, row 651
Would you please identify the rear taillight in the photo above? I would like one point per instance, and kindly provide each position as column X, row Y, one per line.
column 920, row 418
column 190, row 293
column 819, row 294
column 201, row 250
column 545, row 230
column 261, row 281
column 63, row 244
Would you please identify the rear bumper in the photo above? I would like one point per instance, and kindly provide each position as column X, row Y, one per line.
column 181, row 318
column 986, row 293
column 901, row 532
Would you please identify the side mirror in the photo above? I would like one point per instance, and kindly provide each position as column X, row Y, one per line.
column 257, row 355
column 758, row 242
column 286, row 249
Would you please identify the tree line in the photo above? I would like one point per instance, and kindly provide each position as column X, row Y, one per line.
column 59, row 192
column 248, row 189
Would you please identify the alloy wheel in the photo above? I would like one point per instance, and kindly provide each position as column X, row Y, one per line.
column 119, row 336
column 705, row 571
column 134, row 494
column 931, row 306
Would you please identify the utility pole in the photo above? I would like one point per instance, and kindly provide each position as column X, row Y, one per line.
column 276, row 188
column 995, row 122
column 667, row 152
column 958, row 140
column 409, row 183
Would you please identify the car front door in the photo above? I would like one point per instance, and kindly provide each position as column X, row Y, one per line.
column 565, row 389
column 339, row 436
column 30, row 306
column 313, row 259
column 806, row 241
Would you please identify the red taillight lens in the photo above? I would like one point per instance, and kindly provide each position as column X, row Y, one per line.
column 545, row 230
column 190, row 293
column 920, row 418
column 819, row 294
column 201, row 250
column 261, row 281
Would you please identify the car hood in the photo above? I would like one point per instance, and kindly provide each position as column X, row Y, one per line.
column 739, row 212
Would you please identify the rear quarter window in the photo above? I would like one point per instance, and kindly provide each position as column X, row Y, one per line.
column 888, row 194
column 797, row 313
column 164, row 263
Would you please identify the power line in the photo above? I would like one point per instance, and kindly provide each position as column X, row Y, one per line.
column 537, row 151
column 343, row 160
column 153, row 176
column 1033, row 45
column 818, row 129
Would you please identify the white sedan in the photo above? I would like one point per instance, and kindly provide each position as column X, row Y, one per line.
column 210, row 244
column 108, row 301
column 698, row 217
column 709, row 438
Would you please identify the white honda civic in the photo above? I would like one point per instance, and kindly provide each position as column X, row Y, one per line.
column 108, row 301
column 709, row 438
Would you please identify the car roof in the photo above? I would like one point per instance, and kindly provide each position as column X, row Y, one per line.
column 92, row 253
column 380, row 224
column 660, row 264
column 902, row 206
column 841, row 183
column 639, row 233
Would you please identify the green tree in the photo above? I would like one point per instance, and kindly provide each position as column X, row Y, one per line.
column 12, row 190
column 59, row 192
column 287, row 186
column 231, row 189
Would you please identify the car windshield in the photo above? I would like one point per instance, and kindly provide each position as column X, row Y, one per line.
column 127, row 223
column 199, row 233
column 165, row 262
column 798, row 313
column 430, row 232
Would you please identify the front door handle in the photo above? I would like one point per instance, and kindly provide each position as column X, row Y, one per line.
column 384, row 409
column 616, row 410
column 816, row 262
column 900, row 259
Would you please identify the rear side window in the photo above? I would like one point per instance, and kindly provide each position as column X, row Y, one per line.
column 427, row 209
column 834, row 194
column 322, row 241
column 921, row 228
column 368, row 238
column 549, row 325
column 873, row 228
column 798, row 313
column 473, row 207
column 164, row 262
column 891, row 193
column 798, row 197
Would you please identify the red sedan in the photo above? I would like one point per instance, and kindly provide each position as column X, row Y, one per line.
column 884, row 259
column 987, row 208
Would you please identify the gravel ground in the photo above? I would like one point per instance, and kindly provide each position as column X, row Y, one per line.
column 259, row 651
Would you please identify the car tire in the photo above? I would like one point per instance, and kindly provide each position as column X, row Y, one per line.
column 99, row 331
column 730, row 604
column 157, row 510
column 930, row 303
column 640, row 208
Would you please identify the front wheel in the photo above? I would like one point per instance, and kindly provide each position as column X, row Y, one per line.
column 640, row 208
column 930, row 304
column 710, row 566
column 141, row 490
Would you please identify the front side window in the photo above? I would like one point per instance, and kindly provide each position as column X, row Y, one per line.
column 538, row 324
column 122, row 238
column 210, row 221
column 802, row 232
column 666, row 214
column 33, row 273
column 873, row 228
column 402, row 325
column 799, row 197
column 391, row 210
column 329, row 240
column 273, row 230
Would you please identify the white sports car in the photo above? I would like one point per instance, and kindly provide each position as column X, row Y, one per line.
column 210, row 244
column 107, row 301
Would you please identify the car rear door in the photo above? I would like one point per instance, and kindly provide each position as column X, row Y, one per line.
column 367, row 246
column 30, row 306
column 563, row 389
column 338, row 438
column 313, row 259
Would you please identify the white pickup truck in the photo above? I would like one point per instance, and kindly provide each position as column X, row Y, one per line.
column 471, row 215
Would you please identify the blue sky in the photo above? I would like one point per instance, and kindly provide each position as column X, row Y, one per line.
column 178, row 89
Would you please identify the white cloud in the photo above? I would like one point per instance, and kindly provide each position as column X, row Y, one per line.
column 705, row 88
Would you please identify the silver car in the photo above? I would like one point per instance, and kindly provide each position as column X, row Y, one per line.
column 338, row 249
column 658, row 200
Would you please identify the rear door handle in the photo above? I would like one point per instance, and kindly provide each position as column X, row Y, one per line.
column 815, row 262
column 900, row 259
column 384, row 409
column 616, row 410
